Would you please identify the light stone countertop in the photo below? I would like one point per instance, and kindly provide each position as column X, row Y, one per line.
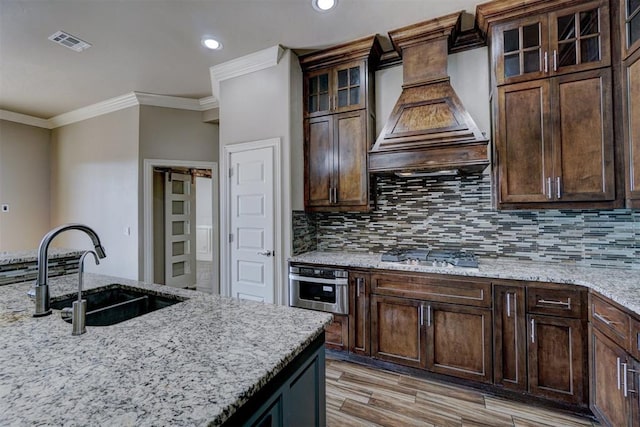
column 193, row 363
column 620, row 285
column 16, row 257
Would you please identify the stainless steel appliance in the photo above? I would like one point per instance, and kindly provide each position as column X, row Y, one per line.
column 317, row 288
column 435, row 257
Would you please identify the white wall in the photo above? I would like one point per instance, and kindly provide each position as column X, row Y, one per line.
column 469, row 72
column 24, row 185
column 94, row 181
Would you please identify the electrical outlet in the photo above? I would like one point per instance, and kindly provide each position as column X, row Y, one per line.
column 5, row 208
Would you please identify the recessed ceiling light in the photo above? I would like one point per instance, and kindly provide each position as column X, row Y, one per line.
column 211, row 43
column 324, row 5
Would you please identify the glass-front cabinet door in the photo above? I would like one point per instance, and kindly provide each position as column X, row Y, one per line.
column 317, row 95
column 520, row 49
column 579, row 38
column 631, row 22
column 349, row 87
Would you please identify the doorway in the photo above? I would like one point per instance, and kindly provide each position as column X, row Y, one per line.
column 181, row 225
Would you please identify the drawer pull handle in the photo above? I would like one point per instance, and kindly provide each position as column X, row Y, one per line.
column 549, row 302
column 601, row 318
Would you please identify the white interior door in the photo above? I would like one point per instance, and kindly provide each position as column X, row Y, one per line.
column 252, row 257
column 180, row 230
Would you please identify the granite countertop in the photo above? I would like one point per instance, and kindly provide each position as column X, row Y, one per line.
column 16, row 257
column 620, row 285
column 193, row 363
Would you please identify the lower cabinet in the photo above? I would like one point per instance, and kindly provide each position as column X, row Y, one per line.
column 557, row 363
column 509, row 337
column 614, row 384
column 458, row 340
column 397, row 333
column 359, row 331
column 337, row 333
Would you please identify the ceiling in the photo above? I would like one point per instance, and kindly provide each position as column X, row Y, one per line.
column 153, row 46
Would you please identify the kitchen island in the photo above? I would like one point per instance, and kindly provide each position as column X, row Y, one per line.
column 203, row 361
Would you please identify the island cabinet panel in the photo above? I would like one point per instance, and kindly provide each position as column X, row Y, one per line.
column 337, row 333
column 458, row 341
column 509, row 337
column 359, row 320
column 397, row 330
column 557, row 358
column 608, row 400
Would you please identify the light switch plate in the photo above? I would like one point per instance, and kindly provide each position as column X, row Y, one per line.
column 5, row 208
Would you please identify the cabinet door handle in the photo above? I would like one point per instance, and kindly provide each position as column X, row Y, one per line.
column 625, row 385
column 558, row 190
column 551, row 302
column 428, row 316
column 335, row 195
column 549, row 196
column 533, row 331
column 359, row 283
column 508, row 304
column 603, row 319
column 546, row 62
column 618, row 371
column 555, row 60
column 421, row 315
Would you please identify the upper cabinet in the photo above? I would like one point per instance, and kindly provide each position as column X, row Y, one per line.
column 630, row 40
column 564, row 41
column 335, row 89
column 553, row 115
column 339, row 125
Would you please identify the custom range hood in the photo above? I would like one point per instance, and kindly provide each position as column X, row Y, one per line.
column 429, row 129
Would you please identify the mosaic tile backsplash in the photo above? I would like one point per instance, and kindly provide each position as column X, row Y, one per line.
column 456, row 212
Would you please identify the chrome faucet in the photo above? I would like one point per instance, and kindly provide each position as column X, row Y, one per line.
column 42, row 299
column 79, row 310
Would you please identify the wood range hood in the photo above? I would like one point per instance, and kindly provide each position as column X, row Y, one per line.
column 429, row 129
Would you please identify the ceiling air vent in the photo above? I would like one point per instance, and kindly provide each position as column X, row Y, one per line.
column 67, row 40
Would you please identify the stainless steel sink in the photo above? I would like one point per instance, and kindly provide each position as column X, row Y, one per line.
column 116, row 303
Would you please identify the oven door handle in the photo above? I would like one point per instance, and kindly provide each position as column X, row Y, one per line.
column 337, row 282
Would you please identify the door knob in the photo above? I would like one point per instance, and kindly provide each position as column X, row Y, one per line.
column 266, row 253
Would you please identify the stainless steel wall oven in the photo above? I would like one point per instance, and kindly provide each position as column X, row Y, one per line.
column 317, row 288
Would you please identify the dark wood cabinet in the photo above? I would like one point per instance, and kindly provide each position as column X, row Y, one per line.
column 554, row 141
column 557, row 358
column 397, row 332
column 553, row 109
column 359, row 323
column 509, row 337
column 608, row 400
column 339, row 125
column 547, row 44
column 458, row 340
column 337, row 333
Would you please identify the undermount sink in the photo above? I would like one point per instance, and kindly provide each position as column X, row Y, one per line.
column 115, row 303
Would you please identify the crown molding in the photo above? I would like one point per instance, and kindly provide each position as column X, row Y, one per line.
column 94, row 110
column 257, row 61
column 24, row 119
column 109, row 106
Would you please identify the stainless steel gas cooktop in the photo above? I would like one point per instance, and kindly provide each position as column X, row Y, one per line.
column 435, row 257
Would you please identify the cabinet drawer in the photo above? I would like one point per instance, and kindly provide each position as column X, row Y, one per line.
column 567, row 302
column 430, row 288
column 609, row 320
column 634, row 339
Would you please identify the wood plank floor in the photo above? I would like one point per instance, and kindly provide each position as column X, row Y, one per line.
column 362, row 396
